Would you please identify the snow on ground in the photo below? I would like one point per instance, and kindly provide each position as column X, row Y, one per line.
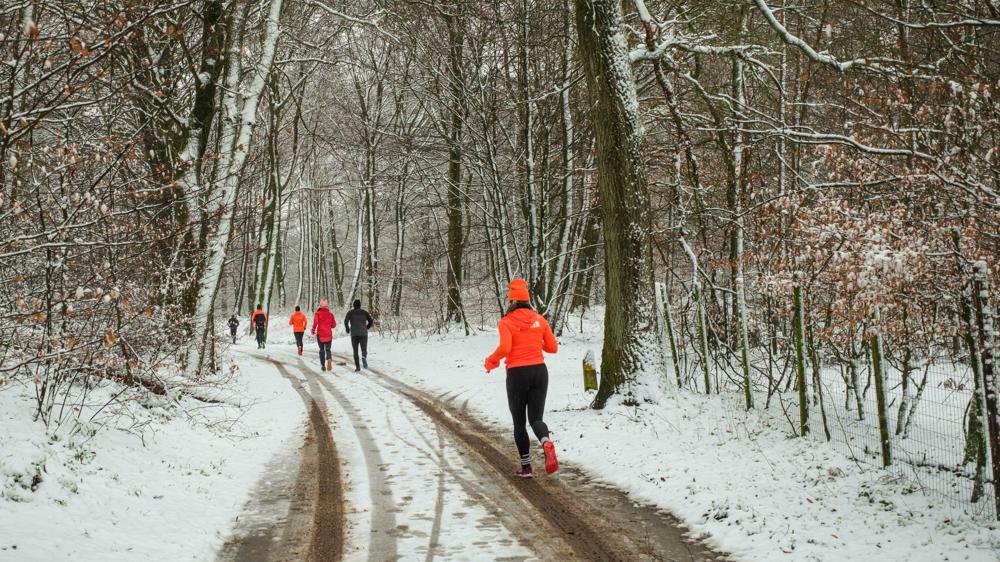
column 162, row 482
column 738, row 480
column 402, row 479
column 166, row 480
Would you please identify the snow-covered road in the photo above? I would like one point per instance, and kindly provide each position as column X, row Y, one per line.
column 417, row 479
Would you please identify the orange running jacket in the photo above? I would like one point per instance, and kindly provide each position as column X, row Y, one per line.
column 524, row 335
column 298, row 321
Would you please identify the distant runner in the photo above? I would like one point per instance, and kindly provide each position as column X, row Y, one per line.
column 357, row 322
column 524, row 335
column 233, row 324
column 259, row 321
column 323, row 325
column 298, row 322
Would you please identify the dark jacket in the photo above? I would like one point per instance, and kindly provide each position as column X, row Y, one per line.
column 233, row 323
column 358, row 321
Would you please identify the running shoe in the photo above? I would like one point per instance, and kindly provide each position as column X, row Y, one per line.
column 525, row 472
column 551, row 463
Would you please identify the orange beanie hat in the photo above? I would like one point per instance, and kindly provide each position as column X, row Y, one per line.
column 518, row 291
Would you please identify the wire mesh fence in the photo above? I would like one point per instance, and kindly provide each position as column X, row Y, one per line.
column 909, row 402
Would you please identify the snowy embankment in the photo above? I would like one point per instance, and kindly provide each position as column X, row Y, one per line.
column 738, row 480
column 162, row 479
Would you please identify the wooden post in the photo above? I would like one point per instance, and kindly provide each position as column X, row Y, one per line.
column 589, row 372
column 883, row 418
column 985, row 329
column 800, row 362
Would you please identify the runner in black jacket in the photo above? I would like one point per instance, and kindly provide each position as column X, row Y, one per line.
column 233, row 324
column 357, row 322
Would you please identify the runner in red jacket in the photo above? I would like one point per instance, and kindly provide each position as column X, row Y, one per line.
column 323, row 325
column 524, row 335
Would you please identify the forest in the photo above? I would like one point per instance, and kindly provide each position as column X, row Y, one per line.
column 793, row 200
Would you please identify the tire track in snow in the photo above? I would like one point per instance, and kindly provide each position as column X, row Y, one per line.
column 479, row 522
column 382, row 540
column 434, row 454
column 312, row 528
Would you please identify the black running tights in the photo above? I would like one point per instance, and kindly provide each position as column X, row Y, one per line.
column 359, row 341
column 324, row 352
column 526, row 388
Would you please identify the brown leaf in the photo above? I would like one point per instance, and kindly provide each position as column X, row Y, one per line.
column 110, row 338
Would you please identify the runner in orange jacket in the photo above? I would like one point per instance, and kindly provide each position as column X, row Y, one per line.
column 298, row 322
column 524, row 335
column 259, row 322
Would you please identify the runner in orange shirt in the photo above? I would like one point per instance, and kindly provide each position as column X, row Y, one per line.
column 524, row 335
column 298, row 322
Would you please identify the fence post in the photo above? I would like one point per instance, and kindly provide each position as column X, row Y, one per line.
column 741, row 307
column 985, row 329
column 975, row 437
column 800, row 362
column 883, row 418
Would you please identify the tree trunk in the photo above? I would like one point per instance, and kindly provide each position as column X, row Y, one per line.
column 629, row 319
column 235, row 143
column 558, row 284
column 456, row 234
column 396, row 293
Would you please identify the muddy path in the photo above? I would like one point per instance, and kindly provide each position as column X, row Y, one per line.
column 423, row 479
column 296, row 517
